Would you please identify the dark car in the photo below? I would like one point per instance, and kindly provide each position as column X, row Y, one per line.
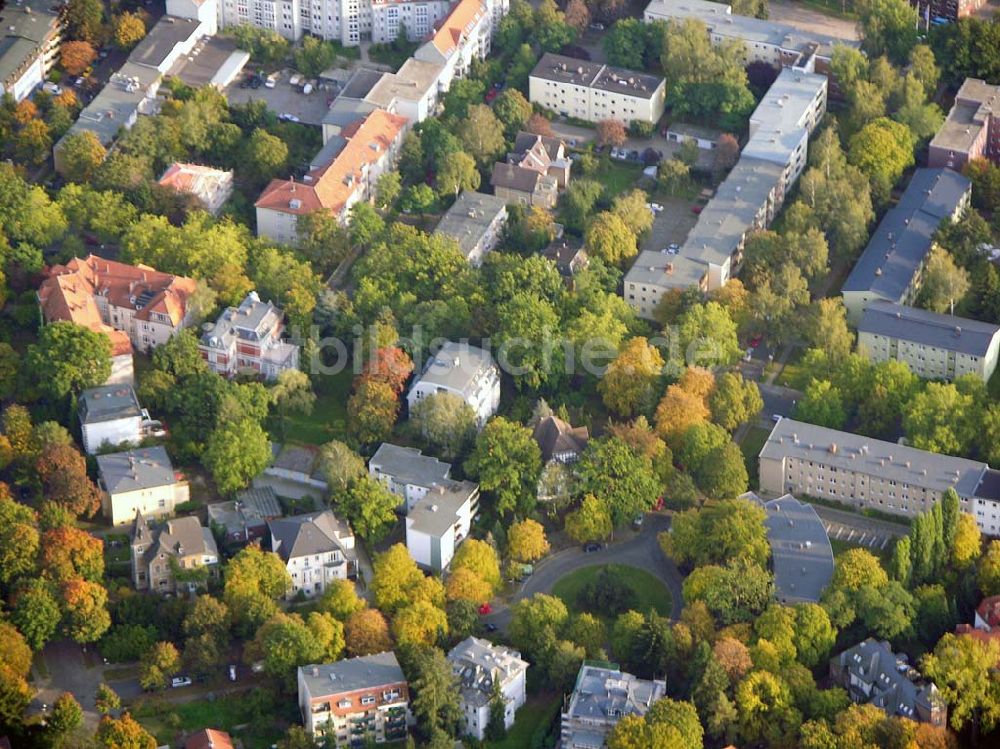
column 591, row 547
column 490, row 627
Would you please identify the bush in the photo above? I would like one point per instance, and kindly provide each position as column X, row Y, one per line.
column 640, row 129
column 610, row 593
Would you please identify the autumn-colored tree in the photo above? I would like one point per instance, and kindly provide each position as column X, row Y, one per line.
column 33, row 142
column 123, row 733
column 157, row 665
column 734, row 657
column 465, row 585
column 610, row 239
column 591, row 521
column 69, row 552
column 76, row 56
column 372, row 410
column 25, row 112
column 539, row 125
column 698, row 381
column 628, row 385
column 481, row 558
column 390, row 365
column 63, row 473
column 420, row 624
column 367, row 632
column 129, row 30
column 577, row 14
column 611, row 133
column 526, row 541
column 726, row 153
column 85, row 609
column 82, row 153
column 398, row 582
column 678, row 410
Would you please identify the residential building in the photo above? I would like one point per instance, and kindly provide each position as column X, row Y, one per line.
column 343, row 174
column 946, row 10
column 482, row 667
column 294, row 472
column 748, row 199
column 437, row 524
column 356, row 698
column 209, row 738
column 801, row 553
column 594, row 91
column 141, row 480
column 406, row 472
column 136, row 306
column 111, row 415
column 767, row 41
column 985, row 625
column 475, row 221
column 534, row 172
column 971, row 130
column 212, row 187
column 707, row 138
column 248, row 338
column 467, row 371
column 462, row 36
column 415, row 19
column 215, row 61
column 179, row 555
column 568, row 254
column 542, row 154
column 805, row 459
column 871, row 673
column 559, row 441
column 891, row 267
column 317, row 549
column 411, row 92
column 603, row 695
column 245, row 518
column 934, row 346
column 29, row 46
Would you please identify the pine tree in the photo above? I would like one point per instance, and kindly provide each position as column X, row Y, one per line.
column 496, row 728
column 949, row 517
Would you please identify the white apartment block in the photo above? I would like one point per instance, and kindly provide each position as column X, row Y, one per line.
column 594, row 92
column 934, row 346
column 467, row 371
column 438, row 523
column 805, row 459
column 110, row 415
column 406, row 472
column 480, row 666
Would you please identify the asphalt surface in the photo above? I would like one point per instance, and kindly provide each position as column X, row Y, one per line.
column 640, row 550
column 859, row 529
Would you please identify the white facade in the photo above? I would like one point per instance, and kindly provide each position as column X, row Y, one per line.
column 113, row 432
column 438, row 523
column 479, row 665
column 466, row 371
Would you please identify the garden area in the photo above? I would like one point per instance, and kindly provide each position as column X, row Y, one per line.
column 328, row 420
column 606, row 590
column 533, row 724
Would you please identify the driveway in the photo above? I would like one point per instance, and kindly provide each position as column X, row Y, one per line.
column 641, row 550
column 859, row 529
column 284, row 98
column 808, row 19
column 671, row 225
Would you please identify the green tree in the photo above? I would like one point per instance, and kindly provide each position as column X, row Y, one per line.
column 821, row 404
column 84, row 19
column 624, row 481
column 610, row 238
column 314, row 56
column 883, row 150
column 723, row 474
column 888, row 27
column 628, row 384
column 372, row 410
column 962, row 667
column 157, row 665
column 284, row 642
column 733, row 528
column 19, row 538
column 536, row 624
column 766, row 709
column 457, row 172
column 507, row 463
column 482, row 134
column 106, row 699
column 734, row 401
column 81, row 154
column 939, row 419
column 436, row 695
column 369, row 507
column 591, row 521
column 945, row 284
column 707, row 336
column 235, row 452
column 254, row 580
column 36, row 612
column 123, row 733
column 68, row 358
column 512, row 109
column 66, row 716
column 267, row 154
column 988, row 572
column 340, row 466
column 445, row 421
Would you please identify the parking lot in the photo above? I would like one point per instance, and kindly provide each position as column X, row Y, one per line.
column 671, row 225
column 284, row 99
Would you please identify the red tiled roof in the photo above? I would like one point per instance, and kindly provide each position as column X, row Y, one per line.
column 463, row 16
column 989, row 611
column 209, row 738
column 331, row 186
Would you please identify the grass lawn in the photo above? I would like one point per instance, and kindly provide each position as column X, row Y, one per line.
column 751, row 446
column 617, row 176
column 649, row 591
column 791, row 374
column 328, row 419
column 223, row 713
column 536, row 716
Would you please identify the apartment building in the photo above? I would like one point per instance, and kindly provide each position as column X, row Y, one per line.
column 534, row 172
column 891, row 267
column 594, row 92
column 602, row 696
column 971, row 130
column 411, row 92
column 248, row 338
column 946, row 10
column 438, row 523
column 179, row 555
column 464, row 35
column 765, row 41
column 747, row 200
column 29, row 47
column 934, row 346
column 211, row 187
column 871, row 673
column 343, row 174
column 406, row 472
column 805, row 459
column 481, row 668
column 467, row 371
column 111, row 415
column 356, row 699
column 476, row 222
column 317, row 549
column 139, row 481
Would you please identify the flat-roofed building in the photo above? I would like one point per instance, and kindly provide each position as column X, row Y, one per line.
column 971, row 130
column 948, row 10
column 463, row 35
column 809, row 460
column 475, row 221
column 934, row 346
column 891, row 267
column 406, row 472
column 110, row 415
column 29, row 47
column 244, row 519
column 439, row 522
column 467, row 371
column 603, row 695
column 141, row 480
column 594, row 92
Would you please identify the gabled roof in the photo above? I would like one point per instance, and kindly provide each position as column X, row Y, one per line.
column 554, row 436
column 800, row 548
column 514, row 177
column 407, row 465
column 457, row 24
column 180, row 537
column 888, row 680
column 439, row 509
column 209, row 738
column 315, row 533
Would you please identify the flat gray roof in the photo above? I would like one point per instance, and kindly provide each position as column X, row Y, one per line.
column 410, row 82
column 108, row 403
column 438, row 510
column 856, row 453
column 160, row 41
column 578, row 72
column 902, row 240
column 456, row 366
column 922, row 326
column 975, row 101
column 800, row 550
column 116, row 103
column 469, row 218
column 780, row 122
column 408, row 465
column 350, row 674
column 143, row 468
column 207, row 58
column 363, row 81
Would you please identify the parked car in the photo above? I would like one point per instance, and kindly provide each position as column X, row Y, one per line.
column 180, row 681
column 307, row 89
column 296, row 79
column 53, row 88
column 592, row 547
column 232, row 672
column 696, row 209
column 485, row 609
column 597, row 27
column 637, row 521
column 491, row 95
column 673, row 246
column 490, row 627
column 271, row 81
column 288, row 117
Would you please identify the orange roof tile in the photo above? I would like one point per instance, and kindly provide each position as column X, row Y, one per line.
column 331, row 186
column 463, row 16
column 190, row 177
column 209, row 738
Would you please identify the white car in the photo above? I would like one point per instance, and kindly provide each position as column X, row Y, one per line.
column 288, row 117
column 232, row 673
column 180, row 681
column 656, row 207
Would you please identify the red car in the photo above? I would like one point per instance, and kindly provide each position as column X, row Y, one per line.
column 491, row 95
column 696, row 209
column 755, row 341
column 485, row 610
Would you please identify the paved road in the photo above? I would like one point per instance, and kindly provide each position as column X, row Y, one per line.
column 641, row 550
column 859, row 529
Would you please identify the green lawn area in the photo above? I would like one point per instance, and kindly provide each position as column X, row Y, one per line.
column 791, row 374
column 535, row 717
column 617, row 177
column 328, row 419
column 751, row 446
column 649, row 591
column 164, row 719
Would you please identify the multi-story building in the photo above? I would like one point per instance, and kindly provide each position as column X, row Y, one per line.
column 593, row 91
column 29, row 47
column 603, row 695
column 534, row 172
column 871, row 673
column 475, row 221
column 467, row 371
column 747, row 200
column 212, row 187
column 110, row 415
column 437, row 524
column 317, row 549
column 985, row 625
column 134, row 305
column 936, row 347
column 342, row 174
column 356, row 699
column 559, row 441
column 805, row 459
column 971, row 131
column 481, row 668
column 891, row 267
column 945, row 10
column 179, row 555
column 141, row 480
column 248, row 338
column 462, row 36
column 406, row 472
column 411, row 92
